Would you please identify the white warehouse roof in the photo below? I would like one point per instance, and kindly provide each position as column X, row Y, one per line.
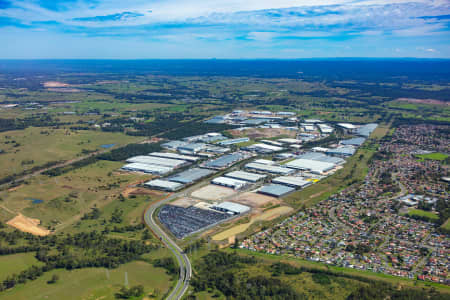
column 269, row 168
column 174, row 156
column 233, row 207
column 264, row 147
column 264, row 161
column 147, row 168
column 164, row 184
column 347, row 125
column 152, row 160
column 230, row 182
column 247, row 176
column 311, row 165
column 289, row 141
column 293, row 181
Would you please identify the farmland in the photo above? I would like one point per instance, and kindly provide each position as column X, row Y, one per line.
column 34, row 146
column 81, row 114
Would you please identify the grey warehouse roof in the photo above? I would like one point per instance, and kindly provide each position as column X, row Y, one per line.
column 174, row 156
column 367, row 129
column 164, row 184
column 247, row 176
column 161, row 161
column 358, row 141
column 224, row 161
column 276, row 190
column 191, row 175
column 291, row 181
column 312, row 165
column 322, row 157
column 174, row 144
column 147, row 168
column 346, row 151
column 233, row 141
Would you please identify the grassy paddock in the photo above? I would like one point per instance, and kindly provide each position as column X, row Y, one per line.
column 16, row 263
column 423, row 213
column 37, row 146
column 92, row 283
column 432, row 156
column 67, row 197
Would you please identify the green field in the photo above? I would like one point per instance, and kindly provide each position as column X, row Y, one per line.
column 66, row 197
column 16, row 263
column 92, row 283
column 432, row 156
column 33, row 146
column 422, row 213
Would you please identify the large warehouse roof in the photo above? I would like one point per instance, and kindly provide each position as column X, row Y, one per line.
column 247, row 176
column 174, row 144
column 367, row 129
column 229, row 182
column 322, row 157
column 174, row 156
column 342, row 151
column 164, row 184
column 269, row 168
column 147, row 168
column 152, row 160
column 347, row 125
column 311, row 165
column 276, row 190
column 233, row 141
column 293, row 181
column 224, row 161
column 358, row 141
column 264, row 148
column 232, row 207
column 191, row 175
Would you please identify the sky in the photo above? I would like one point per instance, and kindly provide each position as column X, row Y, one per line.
column 247, row 29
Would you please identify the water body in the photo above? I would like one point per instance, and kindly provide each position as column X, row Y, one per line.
column 35, row 200
column 107, row 146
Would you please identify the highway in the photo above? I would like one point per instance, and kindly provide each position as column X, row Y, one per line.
column 183, row 260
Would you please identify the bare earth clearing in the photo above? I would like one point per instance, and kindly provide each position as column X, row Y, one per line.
column 258, row 133
column 213, row 192
column 28, row 225
column 424, row 101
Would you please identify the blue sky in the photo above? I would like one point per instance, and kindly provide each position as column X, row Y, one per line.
column 130, row 29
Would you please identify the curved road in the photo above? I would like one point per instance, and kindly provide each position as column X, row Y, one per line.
column 183, row 260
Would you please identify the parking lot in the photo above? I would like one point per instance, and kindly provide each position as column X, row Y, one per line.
column 184, row 221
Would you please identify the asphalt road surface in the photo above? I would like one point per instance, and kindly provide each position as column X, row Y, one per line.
column 183, row 260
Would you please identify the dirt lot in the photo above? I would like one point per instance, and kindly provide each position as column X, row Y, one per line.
column 424, row 101
column 259, row 133
column 265, row 216
column 55, row 84
column 29, row 225
column 140, row 191
column 184, row 202
column 255, row 200
column 213, row 192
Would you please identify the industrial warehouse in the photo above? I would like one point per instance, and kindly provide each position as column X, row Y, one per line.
column 246, row 176
column 277, row 168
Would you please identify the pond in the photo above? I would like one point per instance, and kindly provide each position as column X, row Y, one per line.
column 34, row 200
column 107, row 146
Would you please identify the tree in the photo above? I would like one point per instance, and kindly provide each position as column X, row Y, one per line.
column 54, row 279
